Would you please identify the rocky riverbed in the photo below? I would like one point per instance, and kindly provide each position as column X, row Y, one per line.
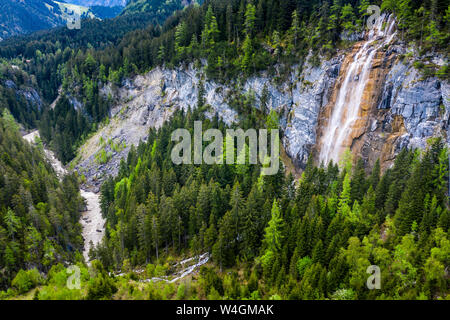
column 92, row 222
column 91, row 219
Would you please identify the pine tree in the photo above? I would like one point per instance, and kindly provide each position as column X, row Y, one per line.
column 156, row 236
column 210, row 235
column 374, row 178
column 250, row 223
column 161, row 54
column 358, row 182
column 334, row 19
column 348, row 18
column 246, row 59
column 274, row 232
column 237, row 205
column 250, row 18
column 144, row 232
column 180, row 35
column 295, row 28
column 345, row 197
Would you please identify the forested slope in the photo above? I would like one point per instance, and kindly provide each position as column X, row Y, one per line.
column 312, row 241
column 19, row 17
column 38, row 213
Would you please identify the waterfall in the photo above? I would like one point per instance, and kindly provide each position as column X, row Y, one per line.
column 345, row 112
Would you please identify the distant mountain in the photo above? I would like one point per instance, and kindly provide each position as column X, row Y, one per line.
column 103, row 12
column 101, row 3
column 26, row 16
column 160, row 9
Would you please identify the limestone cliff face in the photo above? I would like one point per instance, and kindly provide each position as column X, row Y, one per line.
column 141, row 103
column 299, row 101
column 398, row 108
column 365, row 106
column 149, row 100
column 423, row 104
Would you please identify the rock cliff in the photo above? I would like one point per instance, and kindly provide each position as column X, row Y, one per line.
column 399, row 107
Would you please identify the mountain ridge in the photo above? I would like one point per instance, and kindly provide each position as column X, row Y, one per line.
column 102, row 3
column 19, row 17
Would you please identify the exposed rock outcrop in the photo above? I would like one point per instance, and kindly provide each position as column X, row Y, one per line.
column 408, row 112
column 149, row 100
column 299, row 102
column 422, row 104
column 143, row 102
column 398, row 109
column 26, row 92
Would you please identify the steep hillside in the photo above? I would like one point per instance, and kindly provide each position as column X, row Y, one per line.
column 229, row 41
column 102, row 9
column 38, row 213
column 398, row 107
column 25, row 16
column 362, row 106
column 161, row 9
column 19, row 17
column 103, row 12
column 20, row 95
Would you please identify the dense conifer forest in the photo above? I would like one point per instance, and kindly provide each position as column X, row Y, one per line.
column 308, row 240
column 38, row 213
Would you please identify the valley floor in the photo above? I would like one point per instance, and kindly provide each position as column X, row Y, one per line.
column 92, row 221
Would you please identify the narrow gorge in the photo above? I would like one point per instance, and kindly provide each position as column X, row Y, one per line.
column 91, row 219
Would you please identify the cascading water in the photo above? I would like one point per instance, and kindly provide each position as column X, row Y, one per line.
column 337, row 135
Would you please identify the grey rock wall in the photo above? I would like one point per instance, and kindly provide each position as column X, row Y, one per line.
column 423, row 104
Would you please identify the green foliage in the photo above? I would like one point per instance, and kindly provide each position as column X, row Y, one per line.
column 320, row 237
column 102, row 286
column 348, row 18
column 38, row 213
column 26, row 280
column 236, row 38
column 103, row 157
column 443, row 72
column 181, row 291
column 303, row 264
column 273, row 236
